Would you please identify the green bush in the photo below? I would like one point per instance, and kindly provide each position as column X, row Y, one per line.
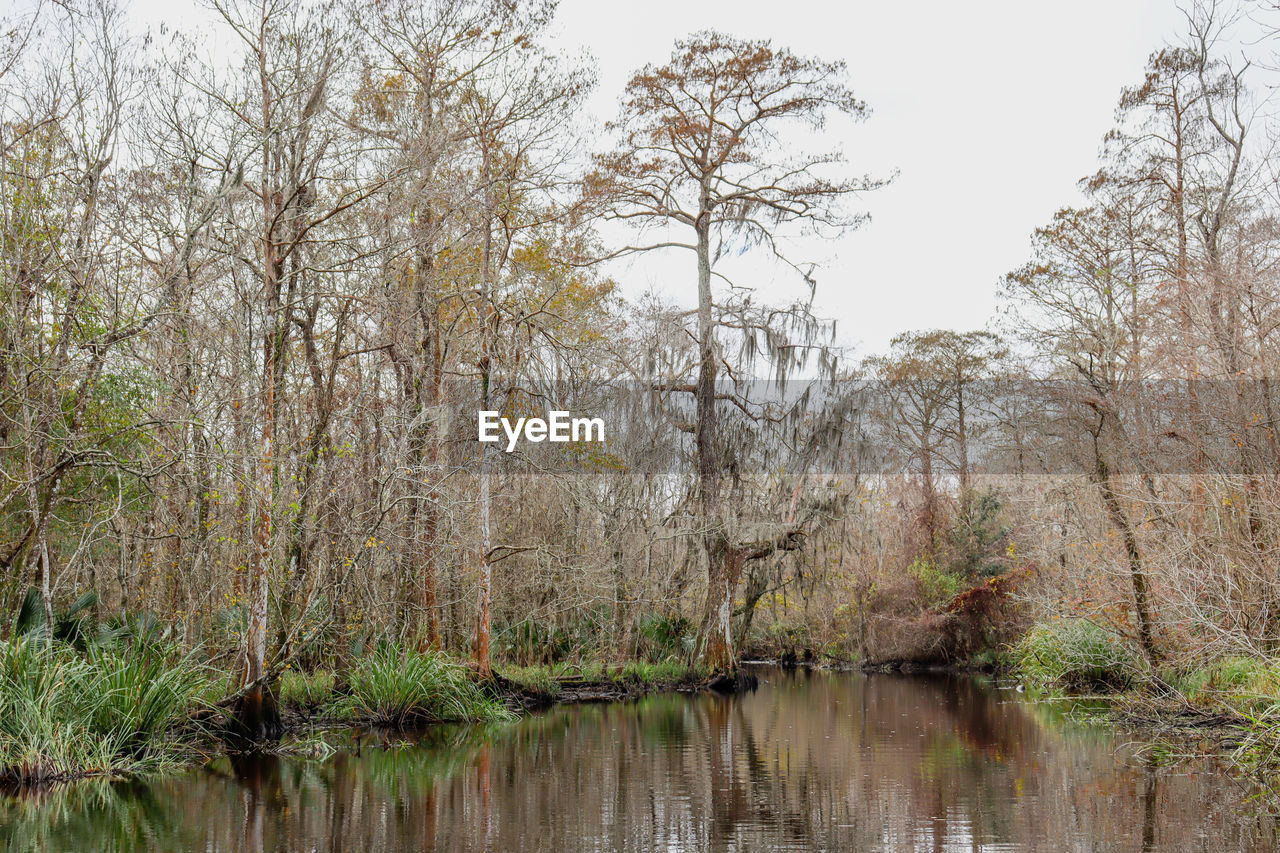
column 1075, row 654
column 937, row 586
column 396, row 686
column 662, row 637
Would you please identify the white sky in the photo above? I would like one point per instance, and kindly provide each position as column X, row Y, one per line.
column 991, row 111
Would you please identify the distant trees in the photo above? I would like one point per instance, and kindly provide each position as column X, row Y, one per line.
column 931, row 384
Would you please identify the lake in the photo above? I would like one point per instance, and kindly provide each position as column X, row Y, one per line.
column 808, row 761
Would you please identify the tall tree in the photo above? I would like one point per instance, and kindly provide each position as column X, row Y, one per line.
column 424, row 62
column 701, row 148
column 1083, row 300
column 517, row 119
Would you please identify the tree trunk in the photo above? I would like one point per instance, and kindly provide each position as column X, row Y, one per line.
column 1137, row 574
column 256, row 716
column 757, row 585
column 929, row 513
column 487, row 320
column 427, row 445
column 715, row 640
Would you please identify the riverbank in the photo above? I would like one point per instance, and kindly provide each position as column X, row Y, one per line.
column 1229, row 706
column 103, row 710
column 123, row 708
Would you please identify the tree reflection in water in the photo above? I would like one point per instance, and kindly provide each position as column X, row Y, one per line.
column 811, row 761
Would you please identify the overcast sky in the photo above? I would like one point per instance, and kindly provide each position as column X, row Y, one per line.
column 989, row 110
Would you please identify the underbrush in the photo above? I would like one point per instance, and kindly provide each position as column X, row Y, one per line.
column 1076, row 655
column 396, row 686
column 105, row 710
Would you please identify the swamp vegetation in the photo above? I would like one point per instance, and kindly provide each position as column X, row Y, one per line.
column 254, row 298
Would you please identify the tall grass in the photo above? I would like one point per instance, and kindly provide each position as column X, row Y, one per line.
column 397, row 686
column 110, row 709
column 549, row 679
column 664, row 672
column 305, row 689
column 1076, row 654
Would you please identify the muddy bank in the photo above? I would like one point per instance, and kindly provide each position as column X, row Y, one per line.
column 572, row 691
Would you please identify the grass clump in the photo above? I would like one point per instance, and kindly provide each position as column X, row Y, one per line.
column 306, row 689
column 1249, row 685
column 107, row 710
column 397, row 686
column 535, row 679
column 1245, row 675
column 1076, row 655
column 549, row 679
column 664, row 672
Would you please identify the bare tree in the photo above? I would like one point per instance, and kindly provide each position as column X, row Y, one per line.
column 700, row 149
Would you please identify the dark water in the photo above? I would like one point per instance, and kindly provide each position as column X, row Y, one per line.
column 810, row 761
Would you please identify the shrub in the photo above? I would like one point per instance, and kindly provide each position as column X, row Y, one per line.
column 663, row 637
column 396, row 686
column 935, row 585
column 977, row 537
column 1075, row 654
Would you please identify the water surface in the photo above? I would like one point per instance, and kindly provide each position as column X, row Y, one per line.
column 809, row 761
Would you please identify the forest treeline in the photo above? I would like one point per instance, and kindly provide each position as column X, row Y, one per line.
column 255, row 295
